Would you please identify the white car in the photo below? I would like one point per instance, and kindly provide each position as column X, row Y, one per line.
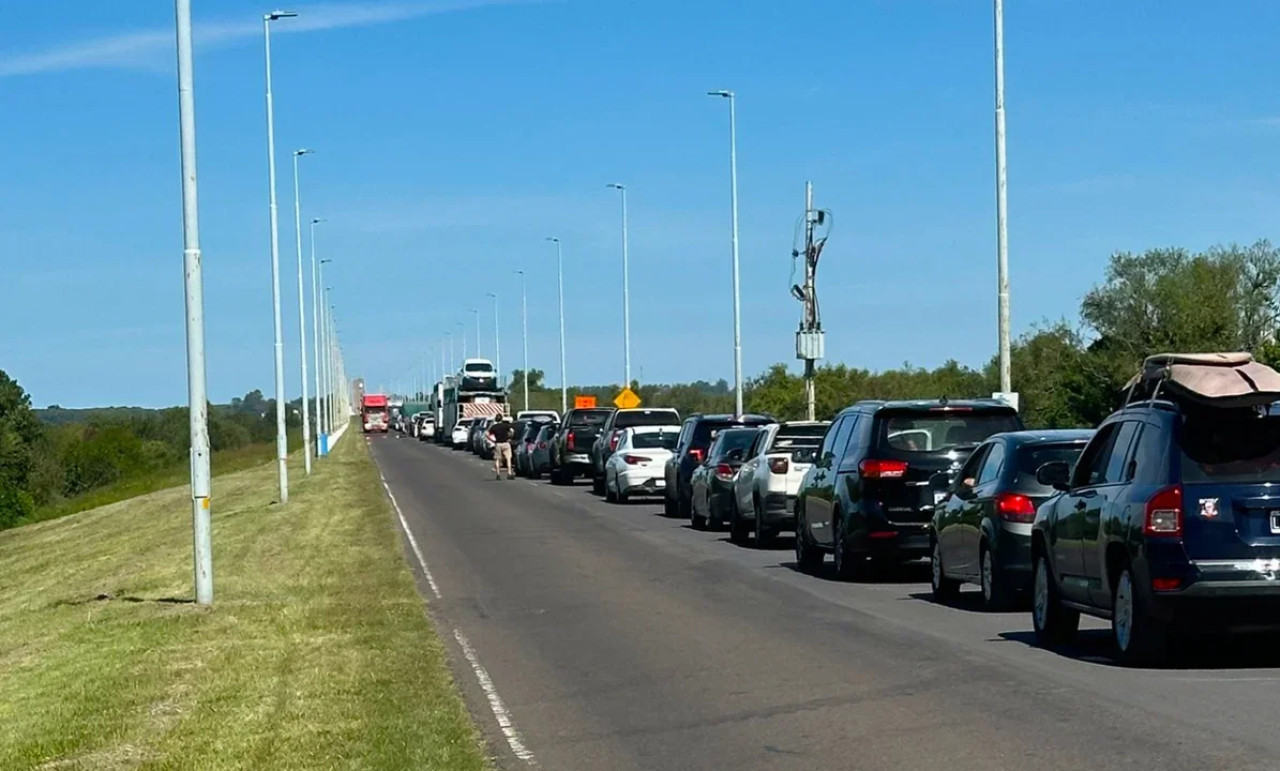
column 636, row 466
column 766, row 486
column 552, row 415
column 460, row 431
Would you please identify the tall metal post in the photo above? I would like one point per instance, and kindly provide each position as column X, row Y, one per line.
column 626, row 291
column 452, row 365
column 524, row 326
column 302, row 315
column 1002, row 209
column 282, row 437
column 497, row 342
column 197, row 399
column 810, row 394
column 463, row 331
column 733, row 196
column 321, row 428
column 476, row 312
column 564, row 380
column 325, row 369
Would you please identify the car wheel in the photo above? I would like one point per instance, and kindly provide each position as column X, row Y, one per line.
column 670, row 508
column 1140, row 639
column 944, row 589
column 609, row 495
column 597, row 485
column 808, row 558
column 996, row 594
column 698, row 521
column 737, row 527
column 849, row 566
column 1053, row 623
column 764, row 534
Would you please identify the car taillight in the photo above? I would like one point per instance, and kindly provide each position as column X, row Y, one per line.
column 568, row 440
column 1164, row 513
column 724, row 472
column 613, row 440
column 634, row 460
column 779, row 465
column 1012, row 507
column 542, row 445
column 882, row 469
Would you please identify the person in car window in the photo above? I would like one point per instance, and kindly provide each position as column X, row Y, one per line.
column 500, row 434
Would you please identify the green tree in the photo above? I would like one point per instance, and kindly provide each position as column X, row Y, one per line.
column 20, row 432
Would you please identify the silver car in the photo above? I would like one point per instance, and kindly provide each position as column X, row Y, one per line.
column 540, row 452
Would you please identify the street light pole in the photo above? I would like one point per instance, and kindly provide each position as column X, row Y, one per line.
column 302, row 313
column 324, row 370
column 315, row 340
column 564, row 381
column 463, row 327
column 497, row 341
column 475, row 312
column 452, row 369
column 1002, row 210
column 626, row 290
column 733, row 188
column 197, row 399
column 282, row 438
column 524, row 328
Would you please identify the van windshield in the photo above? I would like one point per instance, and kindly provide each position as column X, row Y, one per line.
column 1230, row 446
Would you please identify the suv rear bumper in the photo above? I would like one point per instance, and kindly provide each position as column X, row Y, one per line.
column 779, row 510
column 1217, row 595
column 884, row 540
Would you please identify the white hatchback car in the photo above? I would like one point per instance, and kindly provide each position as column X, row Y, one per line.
column 636, row 465
column 766, row 486
column 458, row 438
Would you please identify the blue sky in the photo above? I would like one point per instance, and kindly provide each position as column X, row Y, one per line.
column 452, row 137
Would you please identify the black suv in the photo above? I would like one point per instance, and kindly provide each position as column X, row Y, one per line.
column 607, row 440
column 1170, row 519
column 880, row 471
column 696, row 436
column 571, row 446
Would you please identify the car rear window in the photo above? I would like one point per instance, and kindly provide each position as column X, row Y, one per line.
column 736, row 439
column 938, row 431
column 594, row 418
column 1230, row 446
column 803, row 449
column 646, row 418
column 658, row 440
column 706, row 431
column 1032, row 456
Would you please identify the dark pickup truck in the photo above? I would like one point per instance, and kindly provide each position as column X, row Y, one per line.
column 571, row 446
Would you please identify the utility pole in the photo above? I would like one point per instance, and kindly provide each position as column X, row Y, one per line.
column 497, row 342
column 282, row 437
column 524, row 325
column 564, row 383
column 322, row 437
column 626, row 291
column 476, row 312
column 302, row 315
column 733, row 195
column 1002, row 210
column 197, row 400
column 809, row 338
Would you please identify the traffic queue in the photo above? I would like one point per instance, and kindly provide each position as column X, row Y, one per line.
column 1164, row 520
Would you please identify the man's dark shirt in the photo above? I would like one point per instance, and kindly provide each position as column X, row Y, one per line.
column 501, row 431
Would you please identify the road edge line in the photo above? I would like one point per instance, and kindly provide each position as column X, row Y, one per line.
column 496, row 704
column 413, row 542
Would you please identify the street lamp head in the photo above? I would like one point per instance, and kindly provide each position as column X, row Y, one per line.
column 326, row 262
column 303, row 151
column 725, row 94
column 553, row 239
column 317, row 220
column 491, row 294
column 280, row 15
column 616, row 186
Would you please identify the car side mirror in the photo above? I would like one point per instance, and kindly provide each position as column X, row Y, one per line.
column 1055, row 474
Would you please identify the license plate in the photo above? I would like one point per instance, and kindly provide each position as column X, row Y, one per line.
column 1275, row 522
column 659, row 483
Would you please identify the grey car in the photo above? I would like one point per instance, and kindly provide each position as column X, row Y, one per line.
column 540, row 453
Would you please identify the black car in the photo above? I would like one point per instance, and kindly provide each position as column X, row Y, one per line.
column 871, row 492
column 571, row 446
column 607, row 439
column 523, row 444
column 696, row 435
column 711, row 484
column 1169, row 521
column 982, row 531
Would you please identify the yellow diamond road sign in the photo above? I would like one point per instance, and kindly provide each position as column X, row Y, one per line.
column 626, row 400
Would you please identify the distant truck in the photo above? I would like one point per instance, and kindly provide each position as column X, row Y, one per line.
column 374, row 413
column 472, row 393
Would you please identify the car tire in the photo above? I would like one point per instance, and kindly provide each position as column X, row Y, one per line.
column 597, row 485
column 1053, row 623
column 997, row 596
column 945, row 589
column 715, row 518
column 698, row 521
column 738, row 533
column 764, row 534
column 808, row 557
column 849, row 566
column 1140, row 639
column 670, row 508
column 609, row 494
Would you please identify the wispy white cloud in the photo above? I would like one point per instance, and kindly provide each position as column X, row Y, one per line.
column 152, row 49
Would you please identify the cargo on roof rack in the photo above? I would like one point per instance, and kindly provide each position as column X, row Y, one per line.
column 1208, row 379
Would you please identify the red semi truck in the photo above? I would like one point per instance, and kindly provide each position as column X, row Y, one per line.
column 374, row 413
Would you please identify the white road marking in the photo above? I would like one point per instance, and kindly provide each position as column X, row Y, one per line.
column 505, row 722
column 413, row 542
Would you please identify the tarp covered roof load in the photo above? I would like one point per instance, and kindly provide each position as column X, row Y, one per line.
column 1208, row 379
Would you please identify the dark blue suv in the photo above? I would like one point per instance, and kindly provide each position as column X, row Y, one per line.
column 1169, row 521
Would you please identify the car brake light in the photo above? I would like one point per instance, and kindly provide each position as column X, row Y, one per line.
column 1164, row 513
column 1166, row 584
column 634, row 460
column 696, row 454
column 724, row 472
column 1012, row 507
column 778, row 465
column 568, row 440
column 883, row 469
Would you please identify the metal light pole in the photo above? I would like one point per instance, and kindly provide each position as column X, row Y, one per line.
column 476, row 313
column 282, row 438
column 463, row 327
column 564, row 381
column 497, row 342
column 302, row 313
column 626, row 289
column 197, row 400
column 324, row 386
column 524, row 327
column 315, row 339
column 733, row 186
column 451, row 358
column 1002, row 209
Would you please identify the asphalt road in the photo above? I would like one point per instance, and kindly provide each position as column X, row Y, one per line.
column 608, row 637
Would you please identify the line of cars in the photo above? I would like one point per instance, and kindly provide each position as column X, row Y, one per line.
column 1165, row 520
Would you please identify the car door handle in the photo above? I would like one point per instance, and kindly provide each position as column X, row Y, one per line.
column 1087, row 493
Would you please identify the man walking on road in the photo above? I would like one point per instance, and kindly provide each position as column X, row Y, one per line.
column 500, row 435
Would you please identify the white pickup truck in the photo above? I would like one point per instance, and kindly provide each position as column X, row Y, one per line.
column 766, row 486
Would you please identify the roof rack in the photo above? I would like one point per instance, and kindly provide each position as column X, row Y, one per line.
column 1222, row 380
